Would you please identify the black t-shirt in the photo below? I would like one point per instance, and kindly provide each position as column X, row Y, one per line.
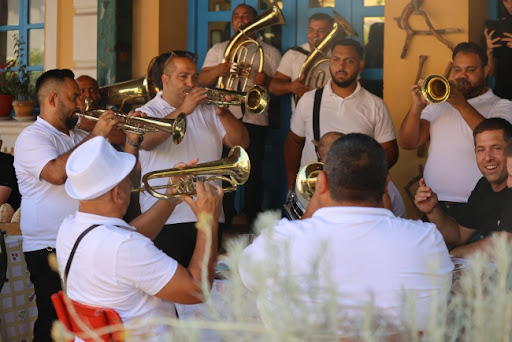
column 485, row 208
column 8, row 178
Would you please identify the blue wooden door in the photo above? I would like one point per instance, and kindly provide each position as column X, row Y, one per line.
column 209, row 21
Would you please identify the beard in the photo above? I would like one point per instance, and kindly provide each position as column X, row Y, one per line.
column 473, row 90
column 71, row 122
column 344, row 84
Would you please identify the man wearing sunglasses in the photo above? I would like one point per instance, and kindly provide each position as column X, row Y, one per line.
column 256, row 124
column 208, row 129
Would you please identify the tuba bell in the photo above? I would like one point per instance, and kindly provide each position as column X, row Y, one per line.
column 255, row 100
column 234, row 169
column 314, row 77
column 436, row 88
column 238, row 48
column 302, row 191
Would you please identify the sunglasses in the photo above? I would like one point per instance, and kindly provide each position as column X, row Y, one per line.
column 182, row 53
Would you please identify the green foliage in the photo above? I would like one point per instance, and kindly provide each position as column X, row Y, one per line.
column 14, row 76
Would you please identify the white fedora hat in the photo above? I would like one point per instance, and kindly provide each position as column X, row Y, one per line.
column 94, row 168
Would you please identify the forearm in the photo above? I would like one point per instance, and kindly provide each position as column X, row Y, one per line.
column 151, row 222
column 279, row 86
column 410, row 130
column 208, row 76
column 491, row 62
column 292, row 152
column 470, row 115
column 236, row 132
column 205, row 246
column 54, row 171
column 486, row 246
column 391, row 149
column 447, row 226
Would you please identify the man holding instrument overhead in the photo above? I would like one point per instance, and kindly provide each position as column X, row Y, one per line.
column 451, row 170
column 208, row 128
column 214, row 67
column 41, row 152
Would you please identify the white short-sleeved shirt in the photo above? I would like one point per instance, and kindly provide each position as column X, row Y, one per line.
column 364, row 254
column 115, row 267
column 451, row 169
column 360, row 112
column 44, row 205
column 292, row 62
column 203, row 140
column 272, row 57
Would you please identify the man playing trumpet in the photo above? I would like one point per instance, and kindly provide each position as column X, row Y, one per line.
column 451, row 170
column 208, row 128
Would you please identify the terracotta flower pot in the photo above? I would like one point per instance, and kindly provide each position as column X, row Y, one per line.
column 23, row 108
column 5, row 105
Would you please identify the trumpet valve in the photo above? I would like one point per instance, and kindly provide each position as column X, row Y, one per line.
column 241, row 70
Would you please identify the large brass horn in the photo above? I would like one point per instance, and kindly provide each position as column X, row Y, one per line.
column 314, row 77
column 235, row 169
column 255, row 100
column 436, row 88
column 303, row 189
column 135, row 92
column 238, row 47
column 132, row 124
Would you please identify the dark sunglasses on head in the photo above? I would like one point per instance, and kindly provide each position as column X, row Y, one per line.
column 182, row 53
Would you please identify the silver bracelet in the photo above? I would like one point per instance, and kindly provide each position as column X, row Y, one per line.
column 135, row 144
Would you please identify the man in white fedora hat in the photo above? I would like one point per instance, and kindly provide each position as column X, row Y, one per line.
column 116, row 264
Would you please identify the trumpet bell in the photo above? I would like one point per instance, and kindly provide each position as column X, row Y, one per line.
column 435, row 88
column 302, row 191
column 234, row 169
column 135, row 92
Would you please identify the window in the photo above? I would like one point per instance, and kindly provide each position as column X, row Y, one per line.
column 25, row 19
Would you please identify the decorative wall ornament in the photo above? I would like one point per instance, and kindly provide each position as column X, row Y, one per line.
column 413, row 8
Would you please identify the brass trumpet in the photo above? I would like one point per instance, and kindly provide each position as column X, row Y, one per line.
column 132, row 124
column 235, row 169
column 436, row 88
column 255, row 100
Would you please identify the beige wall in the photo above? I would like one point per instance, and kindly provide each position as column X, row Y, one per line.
column 66, row 12
column 399, row 74
column 153, row 31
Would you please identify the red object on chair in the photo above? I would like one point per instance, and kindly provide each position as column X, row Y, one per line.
column 93, row 317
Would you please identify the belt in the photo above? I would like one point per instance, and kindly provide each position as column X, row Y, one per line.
column 449, row 204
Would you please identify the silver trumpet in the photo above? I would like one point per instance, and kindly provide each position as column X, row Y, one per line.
column 255, row 100
column 133, row 124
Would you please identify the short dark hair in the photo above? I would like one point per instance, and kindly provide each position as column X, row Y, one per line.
column 251, row 9
column 469, row 47
column 494, row 124
column 157, row 67
column 356, row 169
column 54, row 75
column 349, row 42
column 322, row 16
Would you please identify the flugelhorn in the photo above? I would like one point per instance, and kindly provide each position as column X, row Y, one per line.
column 314, row 77
column 302, row 191
column 235, row 169
column 255, row 100
column 436, row 88
column 238, row 48
column 133, row 124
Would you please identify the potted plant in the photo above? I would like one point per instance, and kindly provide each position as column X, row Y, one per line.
column 7, row 82
column 22, row 90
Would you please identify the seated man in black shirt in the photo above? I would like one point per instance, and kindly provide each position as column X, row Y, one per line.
column 9, row 192
column 483, row 212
